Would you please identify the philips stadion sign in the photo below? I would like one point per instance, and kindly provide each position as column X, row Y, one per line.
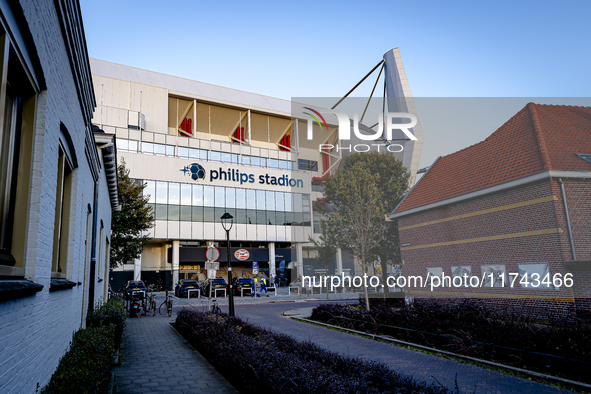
column 196, row 172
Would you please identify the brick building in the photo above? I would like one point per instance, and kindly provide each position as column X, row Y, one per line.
column 58, row 186
column 518, row 202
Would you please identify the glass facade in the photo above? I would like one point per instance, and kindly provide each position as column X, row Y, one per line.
column 150, row 148
column 204, row 203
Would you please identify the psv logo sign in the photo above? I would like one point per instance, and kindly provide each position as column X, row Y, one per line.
column 241, row 254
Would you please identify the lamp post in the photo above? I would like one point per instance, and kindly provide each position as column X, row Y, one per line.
column 227, row 221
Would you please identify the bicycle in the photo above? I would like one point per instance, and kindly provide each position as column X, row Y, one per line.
column 215, row 308
column 167, row 304
column 151, row 304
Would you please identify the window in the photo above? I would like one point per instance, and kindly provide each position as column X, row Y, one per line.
column 100, row 256
column 161, row 192
column 62, row 215
column 307, row 165
column 159, row 149
column 585, row 157
column 431, row 272
column 261, row 201
column 16, row 146
column 493, row 276
column 317, row 226
column 208, row 196
column 148, row 147
column 170, row 150
column 185, row 194
column 531, row 276
column 132, row 146
column 150, row 190
column 462, row 271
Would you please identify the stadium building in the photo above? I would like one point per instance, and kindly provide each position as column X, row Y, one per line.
column 204, row 150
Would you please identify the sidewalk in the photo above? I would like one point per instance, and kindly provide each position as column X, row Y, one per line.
column 155, row 358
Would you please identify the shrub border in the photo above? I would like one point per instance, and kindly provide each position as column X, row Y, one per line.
column 554, row 379
column 418, row 381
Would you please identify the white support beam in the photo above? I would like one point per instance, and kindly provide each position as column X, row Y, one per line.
column 194, row 118
column 175, row 261
column 238, row 124
column 249, row 129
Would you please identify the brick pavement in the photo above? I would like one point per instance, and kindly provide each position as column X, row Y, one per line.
column 155, row 358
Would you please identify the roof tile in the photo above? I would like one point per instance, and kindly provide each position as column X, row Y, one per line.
column 537, row 138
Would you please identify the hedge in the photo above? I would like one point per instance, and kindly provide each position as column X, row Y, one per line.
column 111, row 312
column 87, row 365
column 558, row 346
column 257, row 360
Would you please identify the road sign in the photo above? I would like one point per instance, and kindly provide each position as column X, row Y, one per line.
column 212, row 265
column 212, row 254
column 255, row 271
column 255, row 268
column 211, row 274
column 241, row 254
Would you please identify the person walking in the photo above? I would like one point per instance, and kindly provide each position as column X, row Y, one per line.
column 263, row 288
column 276, row 281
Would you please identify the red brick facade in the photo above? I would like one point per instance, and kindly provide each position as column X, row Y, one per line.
column 523, row 224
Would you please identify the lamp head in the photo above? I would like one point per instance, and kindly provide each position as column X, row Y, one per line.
column 227, row 221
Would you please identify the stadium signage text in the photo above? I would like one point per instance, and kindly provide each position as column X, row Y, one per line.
column 196, row 172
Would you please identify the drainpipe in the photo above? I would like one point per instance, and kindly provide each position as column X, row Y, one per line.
column 92, row 279
column 570, row 232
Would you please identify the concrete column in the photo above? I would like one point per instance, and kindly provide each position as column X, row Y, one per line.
column 271, row 260
column 175, row 262
column 137, row 268
column 339, row 256
column 300, row 259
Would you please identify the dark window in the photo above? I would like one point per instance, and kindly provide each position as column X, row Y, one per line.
column 307, row 165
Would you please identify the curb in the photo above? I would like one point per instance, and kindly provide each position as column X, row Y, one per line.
column 549, row 378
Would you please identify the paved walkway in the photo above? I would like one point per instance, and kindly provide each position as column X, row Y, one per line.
column 155, row 358
column 471, row 379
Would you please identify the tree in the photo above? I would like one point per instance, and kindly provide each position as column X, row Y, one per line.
column 394, row 183
column 327, row 242
column 359, row 217
column 129, row 225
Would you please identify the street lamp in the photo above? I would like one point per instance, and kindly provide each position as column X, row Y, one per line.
column 227, row 221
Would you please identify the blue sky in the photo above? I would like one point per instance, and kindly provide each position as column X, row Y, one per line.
column 306, row 48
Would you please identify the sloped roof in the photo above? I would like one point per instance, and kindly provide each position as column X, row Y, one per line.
column 537, row 138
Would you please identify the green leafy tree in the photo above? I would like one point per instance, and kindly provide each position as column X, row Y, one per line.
column 129, row 225
column 393, row 184
column 360, row 216
column 327, row 242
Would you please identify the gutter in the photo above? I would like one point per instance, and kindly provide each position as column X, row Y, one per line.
column 570, row 233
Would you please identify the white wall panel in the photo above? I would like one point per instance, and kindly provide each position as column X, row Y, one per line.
column 241, row 232
column 208, row 231
column 186, row 232
column 197, row 232
column 251, row 232
column 261, row 232
column 161, row 229
column 271, row 233
column 173, row 229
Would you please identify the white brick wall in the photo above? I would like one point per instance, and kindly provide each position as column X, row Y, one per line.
column 36, row 330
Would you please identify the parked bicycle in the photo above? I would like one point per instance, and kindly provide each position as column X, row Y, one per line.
column 166, row 306
column 215, row 308
column 150, row 304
